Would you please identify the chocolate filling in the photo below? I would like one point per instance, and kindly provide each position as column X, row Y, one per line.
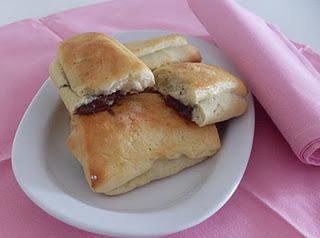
column 150, row 90
column 101, row 103
column 64, row 86
column 183, row 110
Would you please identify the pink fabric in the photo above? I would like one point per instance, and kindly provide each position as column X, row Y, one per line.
column 278, row 196
column 281, row 77
column 26, row 48
column 126, row 15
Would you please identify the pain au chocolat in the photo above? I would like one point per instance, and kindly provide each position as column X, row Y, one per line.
column 93, row 70
column 143, row 140
column 163, row 50
column 202, row 93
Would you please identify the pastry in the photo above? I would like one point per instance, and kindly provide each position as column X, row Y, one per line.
column 92, row 71
column 141, row 141
column 164, row 50
column 202, row 93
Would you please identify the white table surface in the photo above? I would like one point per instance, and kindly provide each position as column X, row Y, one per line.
column 298, row 19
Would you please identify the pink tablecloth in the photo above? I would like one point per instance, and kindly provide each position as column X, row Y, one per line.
column 278, row 196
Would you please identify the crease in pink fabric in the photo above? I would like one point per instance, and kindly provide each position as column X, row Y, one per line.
column 117, row 16
column 284, row 81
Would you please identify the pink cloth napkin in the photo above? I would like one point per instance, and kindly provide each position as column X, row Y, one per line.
column 278, row 196
column 281, row 77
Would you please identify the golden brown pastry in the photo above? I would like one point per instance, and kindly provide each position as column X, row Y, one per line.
column 202, row 93
column 140, row 141
column 164, row 50
column 93, row 70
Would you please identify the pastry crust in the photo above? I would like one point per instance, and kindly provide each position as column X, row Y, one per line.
column 93, row 64
column 171, row 55
column 214, row 94
column 164, row 50
column 145, row 47
column 141, row 141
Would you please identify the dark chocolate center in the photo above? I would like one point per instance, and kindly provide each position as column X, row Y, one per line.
column 183, row 110
column 101, row 103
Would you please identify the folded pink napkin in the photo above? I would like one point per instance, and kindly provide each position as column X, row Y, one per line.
column 280, row 76
column 278, row 196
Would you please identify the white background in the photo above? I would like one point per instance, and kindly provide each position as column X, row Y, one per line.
column 298, row 19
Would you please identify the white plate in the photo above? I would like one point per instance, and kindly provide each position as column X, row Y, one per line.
column 53, row 179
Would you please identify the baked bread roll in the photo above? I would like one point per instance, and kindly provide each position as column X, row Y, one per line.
column 202, row 93
column 164, row 50
column 143, row 140
column 93, row 70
